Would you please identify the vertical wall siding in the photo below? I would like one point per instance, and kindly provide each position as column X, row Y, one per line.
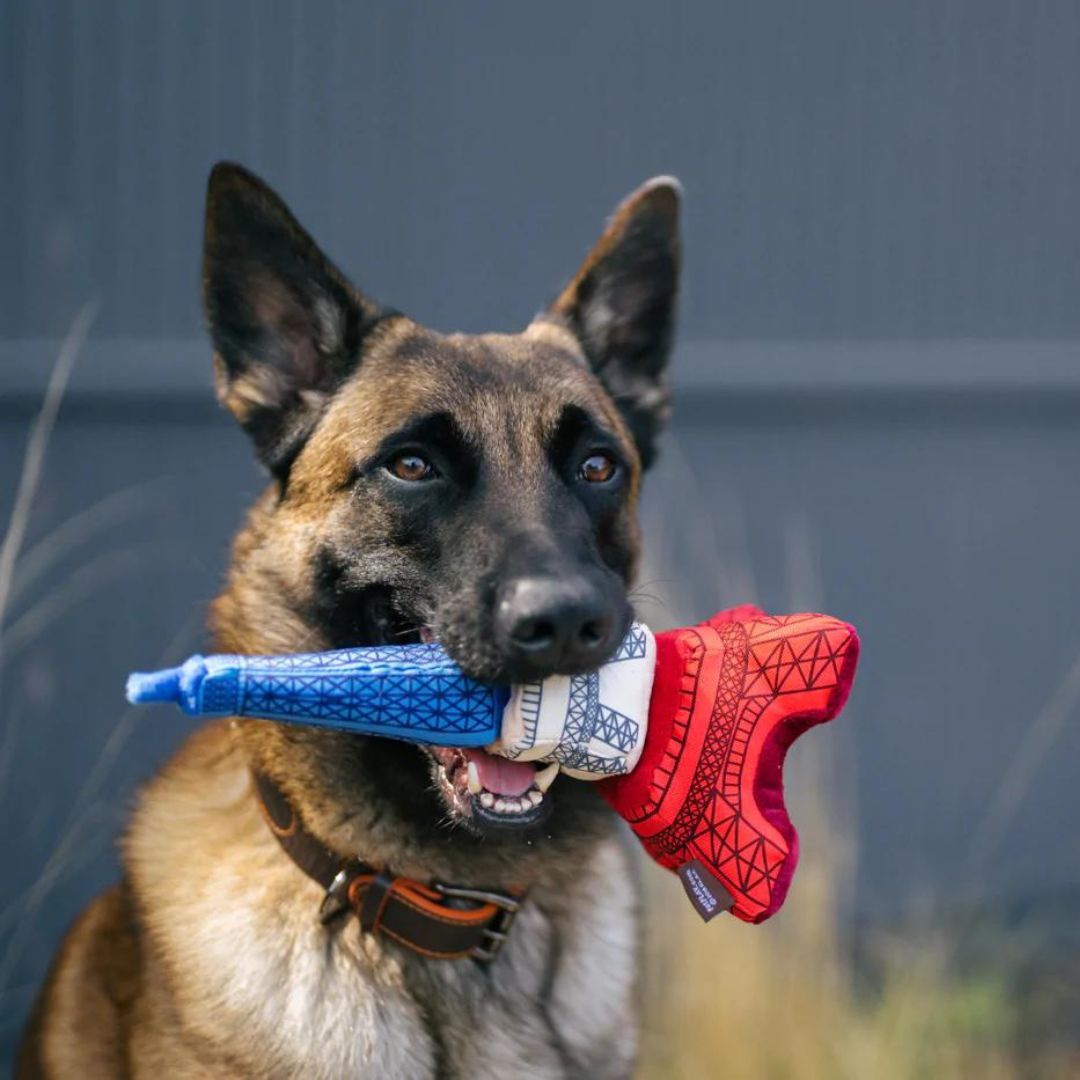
column 854, row 168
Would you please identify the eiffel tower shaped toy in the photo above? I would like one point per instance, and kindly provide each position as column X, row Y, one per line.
column 685, row 731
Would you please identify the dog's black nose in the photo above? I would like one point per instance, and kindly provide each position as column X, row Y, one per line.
column 555, row 623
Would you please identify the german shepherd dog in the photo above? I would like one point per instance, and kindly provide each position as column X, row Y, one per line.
column 475, row 490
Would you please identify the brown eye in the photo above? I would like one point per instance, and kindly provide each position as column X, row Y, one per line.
column 411, row 467
column 597, row 469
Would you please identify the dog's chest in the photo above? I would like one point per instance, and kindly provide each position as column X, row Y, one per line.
column 246, row 975
column 298, row 1000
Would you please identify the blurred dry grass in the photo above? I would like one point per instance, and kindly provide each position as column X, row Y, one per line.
column 788, row 1001
column 63, row 579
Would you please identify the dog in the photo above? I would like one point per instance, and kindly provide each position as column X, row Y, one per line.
column 477, row 490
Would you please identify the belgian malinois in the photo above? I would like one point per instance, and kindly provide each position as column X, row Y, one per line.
column 477, row 490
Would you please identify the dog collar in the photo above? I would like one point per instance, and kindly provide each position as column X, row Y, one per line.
column 439, row 921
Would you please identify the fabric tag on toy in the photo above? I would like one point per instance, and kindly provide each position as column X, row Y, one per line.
column 593, row 725
column 706, row 891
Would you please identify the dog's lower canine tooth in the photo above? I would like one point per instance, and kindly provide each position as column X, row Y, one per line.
column 536, row 797
column 546, row 776
column 475, row 787
column 487, row 799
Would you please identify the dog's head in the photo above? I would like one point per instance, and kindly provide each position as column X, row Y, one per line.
column 478, row 490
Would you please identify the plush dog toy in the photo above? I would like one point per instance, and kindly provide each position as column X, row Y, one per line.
column 686, row 731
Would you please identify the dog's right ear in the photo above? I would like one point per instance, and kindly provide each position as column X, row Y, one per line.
column 285, row 323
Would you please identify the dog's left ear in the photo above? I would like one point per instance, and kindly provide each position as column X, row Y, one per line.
column 621, row 306
column 287, row 326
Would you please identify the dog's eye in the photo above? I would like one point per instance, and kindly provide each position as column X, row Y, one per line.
column 597, row 469
column 411, row 467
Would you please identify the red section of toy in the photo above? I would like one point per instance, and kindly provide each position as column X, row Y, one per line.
column 729, row 697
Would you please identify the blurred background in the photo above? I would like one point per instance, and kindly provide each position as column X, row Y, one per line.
column 877, row 415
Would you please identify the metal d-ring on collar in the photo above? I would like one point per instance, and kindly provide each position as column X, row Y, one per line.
column 496, row 935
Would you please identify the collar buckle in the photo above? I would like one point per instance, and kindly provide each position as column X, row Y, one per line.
column 495, row 935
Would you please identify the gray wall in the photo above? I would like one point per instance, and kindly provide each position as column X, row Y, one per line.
column 867, row 168
column 879, row 386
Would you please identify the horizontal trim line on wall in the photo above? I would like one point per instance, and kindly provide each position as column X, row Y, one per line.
column 142, row 368
column 791, row 367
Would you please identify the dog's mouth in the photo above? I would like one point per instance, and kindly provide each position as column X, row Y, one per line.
column 489, row 792
column 481, row 791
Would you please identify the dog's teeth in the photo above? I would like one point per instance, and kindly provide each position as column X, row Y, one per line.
column 536, row 797
column 487, row 799
column 502, row 805
column 475, row 787
column 546, row 776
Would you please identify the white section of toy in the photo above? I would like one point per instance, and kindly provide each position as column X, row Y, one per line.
column 593, row 725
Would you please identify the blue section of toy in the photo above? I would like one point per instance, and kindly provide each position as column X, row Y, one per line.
column 412, row 692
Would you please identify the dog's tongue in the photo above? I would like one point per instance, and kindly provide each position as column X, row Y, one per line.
column 501, row 776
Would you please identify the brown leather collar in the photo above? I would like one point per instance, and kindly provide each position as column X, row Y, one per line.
column 444, row 922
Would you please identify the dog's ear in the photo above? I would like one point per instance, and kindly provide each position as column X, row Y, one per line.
column 621, row 306
column 286, row 324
